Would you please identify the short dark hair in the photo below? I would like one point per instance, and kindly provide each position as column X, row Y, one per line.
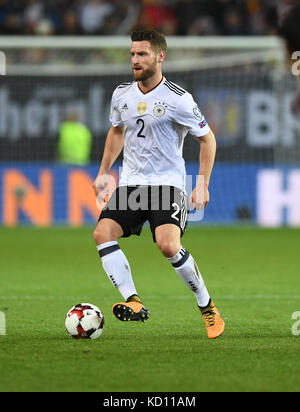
column 290, row 28
column 154, row 37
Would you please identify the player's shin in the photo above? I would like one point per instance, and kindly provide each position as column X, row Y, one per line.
column 188, row 271
column 117, row 268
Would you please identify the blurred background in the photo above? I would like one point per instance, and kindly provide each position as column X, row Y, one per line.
column 62, row 61
column 111, row 17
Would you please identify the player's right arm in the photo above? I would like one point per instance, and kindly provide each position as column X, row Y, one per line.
column 113, row 146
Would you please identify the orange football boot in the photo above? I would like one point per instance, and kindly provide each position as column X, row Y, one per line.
column 133, row 309
column 213, row 321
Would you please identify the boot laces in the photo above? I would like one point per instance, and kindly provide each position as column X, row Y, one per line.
column 209, row 316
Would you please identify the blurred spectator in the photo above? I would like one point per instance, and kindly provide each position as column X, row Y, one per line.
column 5, row 9
column 262, row 17
column 33, row 15
column 124, row 18
column 189, row 14
column 74, row 142
column 44, row 27
column 283, row 7
column 11, row 25
column 10, row 18
column 93, row 15
column 70, row 24
column 289, row 30
column 117, row 17
column 157, row 14
column 203, row 26
column 233, row 23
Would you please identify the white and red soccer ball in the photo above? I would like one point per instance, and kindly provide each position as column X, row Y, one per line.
column 84, row 321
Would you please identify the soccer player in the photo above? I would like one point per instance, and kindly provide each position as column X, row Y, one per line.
column 150, row 118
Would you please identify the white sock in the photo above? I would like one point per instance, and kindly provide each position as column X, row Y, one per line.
column 117, row 268
column 188, row 271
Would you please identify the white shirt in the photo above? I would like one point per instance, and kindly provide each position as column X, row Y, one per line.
column 155, row 125
column 93, row 16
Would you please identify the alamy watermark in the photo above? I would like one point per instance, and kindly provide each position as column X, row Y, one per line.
column 2, row 323
column 296, row 325
column 2, row 63
column 296, row 65
column 154, row 197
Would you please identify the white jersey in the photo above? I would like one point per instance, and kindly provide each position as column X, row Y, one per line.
column 155, row 125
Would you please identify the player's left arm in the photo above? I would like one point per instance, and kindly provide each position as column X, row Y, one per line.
column 189, row 115
column 200, row 195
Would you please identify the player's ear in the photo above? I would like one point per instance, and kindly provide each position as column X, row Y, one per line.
column 161, row 56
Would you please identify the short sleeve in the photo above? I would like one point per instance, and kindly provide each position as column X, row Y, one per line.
column 189, row 115
column 115, row 115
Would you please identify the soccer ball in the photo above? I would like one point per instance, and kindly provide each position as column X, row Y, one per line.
column 84, row 321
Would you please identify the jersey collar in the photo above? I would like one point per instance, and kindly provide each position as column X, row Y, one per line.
column 154, row 88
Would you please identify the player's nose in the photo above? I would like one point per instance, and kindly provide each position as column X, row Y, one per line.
column 135, row 59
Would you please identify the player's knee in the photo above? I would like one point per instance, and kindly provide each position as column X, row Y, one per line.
column 97, row 235
column 102, row 234
column 168, row 248
column 106, row 231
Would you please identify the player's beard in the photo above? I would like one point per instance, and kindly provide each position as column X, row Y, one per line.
column 145, row 74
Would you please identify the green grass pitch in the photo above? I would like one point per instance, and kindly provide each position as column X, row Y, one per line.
column 252, row 275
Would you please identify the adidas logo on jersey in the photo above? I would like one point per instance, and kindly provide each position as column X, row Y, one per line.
column 125, row 107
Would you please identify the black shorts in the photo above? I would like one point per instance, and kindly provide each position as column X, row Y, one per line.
column 132, row 206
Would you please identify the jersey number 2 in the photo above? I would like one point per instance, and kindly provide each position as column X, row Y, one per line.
column 141, row 121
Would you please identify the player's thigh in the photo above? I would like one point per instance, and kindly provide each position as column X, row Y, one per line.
column 168, row 239
column 107, row 230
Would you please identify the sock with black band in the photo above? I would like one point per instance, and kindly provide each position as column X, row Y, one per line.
column 187, row 269
column 117, row 268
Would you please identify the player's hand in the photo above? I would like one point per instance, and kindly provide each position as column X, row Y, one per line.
column 101, row 187
column 199, row 198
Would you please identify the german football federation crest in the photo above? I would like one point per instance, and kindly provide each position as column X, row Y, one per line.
column 142, row 107
column 159, row 109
